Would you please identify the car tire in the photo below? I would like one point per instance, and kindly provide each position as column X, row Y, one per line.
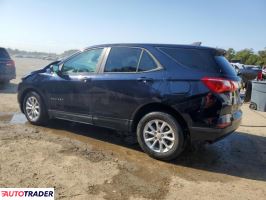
column 160, row 136
column 34, row 109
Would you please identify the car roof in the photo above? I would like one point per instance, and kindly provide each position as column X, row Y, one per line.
column 148, row 45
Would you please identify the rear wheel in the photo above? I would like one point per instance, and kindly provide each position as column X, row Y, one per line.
column 160, row 136
column 34, row 109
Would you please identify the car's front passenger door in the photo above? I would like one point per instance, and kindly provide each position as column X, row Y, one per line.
column 74, row 83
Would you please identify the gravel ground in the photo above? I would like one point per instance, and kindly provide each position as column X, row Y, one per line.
column 86, row 162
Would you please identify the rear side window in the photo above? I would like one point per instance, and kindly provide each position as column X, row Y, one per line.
column 123, row 59
column 3, row 53
column 126, row 59
column 193, row 58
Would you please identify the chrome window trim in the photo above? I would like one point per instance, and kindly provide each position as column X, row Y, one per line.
column 158, row 68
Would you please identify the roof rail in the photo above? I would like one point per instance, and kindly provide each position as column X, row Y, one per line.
column 196, row 43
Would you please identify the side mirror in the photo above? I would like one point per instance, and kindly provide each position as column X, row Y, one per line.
column 56, row 69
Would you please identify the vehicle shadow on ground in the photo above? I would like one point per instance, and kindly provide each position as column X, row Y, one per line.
column 8, row 88
column 250, row 126
column 240, row 154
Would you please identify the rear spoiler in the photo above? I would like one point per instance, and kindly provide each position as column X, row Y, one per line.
column 220, row 52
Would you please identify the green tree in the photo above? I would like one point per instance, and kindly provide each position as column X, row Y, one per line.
column 230, row 54
column 262, row 55
column 244, row 55
column 253, row 59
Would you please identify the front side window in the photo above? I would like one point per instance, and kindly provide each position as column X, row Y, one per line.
column 125, row 59
column 84, row 62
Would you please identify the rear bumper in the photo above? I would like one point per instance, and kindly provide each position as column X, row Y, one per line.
column 212, row 134
column 6, row 76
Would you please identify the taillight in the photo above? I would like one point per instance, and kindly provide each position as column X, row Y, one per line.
column 220, row 85
column 259, row 75
column 10, row 63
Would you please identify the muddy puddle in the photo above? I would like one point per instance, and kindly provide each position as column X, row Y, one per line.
column 5, row 117
column 237, row 156
column 18, row 118
column 13, row 118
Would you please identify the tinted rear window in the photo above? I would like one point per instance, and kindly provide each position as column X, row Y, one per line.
column 3, row 53
column 226, row 67
column 193, row 58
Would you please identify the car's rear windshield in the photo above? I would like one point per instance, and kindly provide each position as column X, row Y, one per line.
column 3, row 53
column 226, row 67
column 200, row 59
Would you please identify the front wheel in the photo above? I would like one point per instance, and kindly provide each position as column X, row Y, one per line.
column 34, row 109
column 160, row 136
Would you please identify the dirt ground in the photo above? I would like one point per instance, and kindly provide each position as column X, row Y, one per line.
column 86, row 162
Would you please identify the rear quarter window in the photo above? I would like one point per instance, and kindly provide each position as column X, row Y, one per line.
column 197, row 59
column 146, row 63
column 3, row 53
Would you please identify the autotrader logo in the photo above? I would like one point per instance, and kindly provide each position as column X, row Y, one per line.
column 27, row 193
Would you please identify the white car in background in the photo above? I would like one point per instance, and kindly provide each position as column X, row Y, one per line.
column 237, row 66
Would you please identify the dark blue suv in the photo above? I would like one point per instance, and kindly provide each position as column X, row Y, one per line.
column 7, row 67
column 168, row 95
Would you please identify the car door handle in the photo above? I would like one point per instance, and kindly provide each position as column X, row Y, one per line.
column 144, row 79
column 85, row 80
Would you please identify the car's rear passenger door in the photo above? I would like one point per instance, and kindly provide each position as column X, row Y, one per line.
column 129, row 77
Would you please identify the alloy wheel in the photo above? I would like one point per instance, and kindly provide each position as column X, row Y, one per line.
column 32, row 108
column 159, row 136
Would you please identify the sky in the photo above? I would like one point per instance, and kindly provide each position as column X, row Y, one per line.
column 59, row 25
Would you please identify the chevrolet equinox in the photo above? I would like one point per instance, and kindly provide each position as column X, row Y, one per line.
column 168, row 95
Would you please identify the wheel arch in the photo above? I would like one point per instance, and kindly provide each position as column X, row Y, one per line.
column 153, row 107
column 25, row 92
